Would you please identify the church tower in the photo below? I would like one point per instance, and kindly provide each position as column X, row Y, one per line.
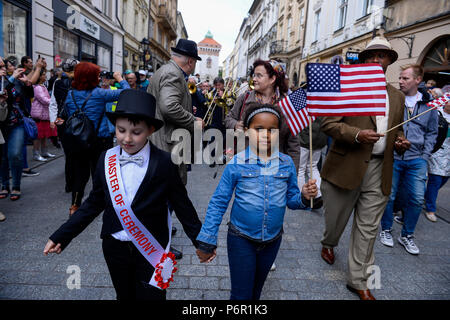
column 208, row 50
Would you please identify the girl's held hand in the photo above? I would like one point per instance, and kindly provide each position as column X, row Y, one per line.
column 51, row 247
column 205, row 256
column 309, row 189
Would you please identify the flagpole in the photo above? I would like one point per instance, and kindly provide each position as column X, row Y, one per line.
column 310, row 155
column 410, row 119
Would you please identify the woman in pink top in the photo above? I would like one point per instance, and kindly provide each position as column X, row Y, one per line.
column 40, row 114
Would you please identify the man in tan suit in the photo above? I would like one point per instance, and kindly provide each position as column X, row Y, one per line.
column 174, row 103
column 173, row 100
column 357, row 174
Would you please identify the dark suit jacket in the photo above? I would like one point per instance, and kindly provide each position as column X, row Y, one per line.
column 161, row 185
column 348, row 160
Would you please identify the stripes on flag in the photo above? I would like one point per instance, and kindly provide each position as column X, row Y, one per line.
column 294, row 109
column 346, row 90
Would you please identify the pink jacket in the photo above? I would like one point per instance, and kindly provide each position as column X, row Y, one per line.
column 39, row 107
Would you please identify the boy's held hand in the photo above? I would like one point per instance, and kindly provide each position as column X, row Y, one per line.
column 309, row 189
column 52, row 247
column 205, row 256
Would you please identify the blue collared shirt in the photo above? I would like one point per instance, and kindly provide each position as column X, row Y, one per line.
column 262, row 191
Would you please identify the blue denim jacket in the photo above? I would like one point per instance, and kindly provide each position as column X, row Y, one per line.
column 262, row 191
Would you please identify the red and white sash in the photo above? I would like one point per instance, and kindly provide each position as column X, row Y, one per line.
column 162, row 260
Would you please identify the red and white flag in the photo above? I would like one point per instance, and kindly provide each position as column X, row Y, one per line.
column 346, row 90
column 295, row 111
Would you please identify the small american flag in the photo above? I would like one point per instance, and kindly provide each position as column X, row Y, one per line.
column 346, row 90
column 295, row 112
column 439, row 101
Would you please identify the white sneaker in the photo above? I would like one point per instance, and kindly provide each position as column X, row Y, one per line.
column 48, row 155
column 398, row 219
column 37, row 156
column 2, row 217
column 431, row 216
column 273, row 267
column 408, row 243
column 386, row 238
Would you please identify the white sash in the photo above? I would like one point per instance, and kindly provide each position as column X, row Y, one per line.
column 162, row 260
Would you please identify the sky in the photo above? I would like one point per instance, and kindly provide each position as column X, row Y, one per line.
column 222, row 17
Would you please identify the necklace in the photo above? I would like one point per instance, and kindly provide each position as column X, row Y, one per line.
column 260, row 98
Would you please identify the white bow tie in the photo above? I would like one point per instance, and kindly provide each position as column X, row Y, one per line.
column 139, row 160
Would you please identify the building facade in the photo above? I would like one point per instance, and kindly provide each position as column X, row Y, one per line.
column 162, row 31
column 208, row 50
column 420, row 33
column 57, row 30
column 288, row 46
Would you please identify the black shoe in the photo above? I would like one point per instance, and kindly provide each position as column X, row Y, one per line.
column 212, row 165
column 174, row 231
column 178, row 254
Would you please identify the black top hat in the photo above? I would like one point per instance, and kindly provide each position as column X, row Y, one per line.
column 136, row 103
column 187, row 48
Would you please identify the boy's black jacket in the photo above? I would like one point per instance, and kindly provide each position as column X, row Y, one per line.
column 160, row 186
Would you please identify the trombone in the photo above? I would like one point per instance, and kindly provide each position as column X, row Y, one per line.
column 212, row 106
column 193, row 87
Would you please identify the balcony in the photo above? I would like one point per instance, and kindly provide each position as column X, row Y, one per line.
column 166, row 21
column 278, row 47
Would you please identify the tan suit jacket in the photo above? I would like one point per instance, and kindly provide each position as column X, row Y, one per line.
column 348, row 160
column 173, row 106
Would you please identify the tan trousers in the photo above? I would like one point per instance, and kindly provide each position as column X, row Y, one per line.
column 368, row 204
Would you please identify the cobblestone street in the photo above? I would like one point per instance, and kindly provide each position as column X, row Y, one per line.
column 301, row 274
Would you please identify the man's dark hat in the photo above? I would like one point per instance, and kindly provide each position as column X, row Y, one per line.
column 138, row 104
column 187, row 48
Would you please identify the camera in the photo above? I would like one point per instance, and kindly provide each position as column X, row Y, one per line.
column 108, row 75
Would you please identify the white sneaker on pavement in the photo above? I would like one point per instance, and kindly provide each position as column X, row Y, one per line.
column 273, row 267
column 408, row 243
column 2, row 217
column 386, row 238
column 398, row 219
column 48, row 155
column 37, row 156
column 431, row 216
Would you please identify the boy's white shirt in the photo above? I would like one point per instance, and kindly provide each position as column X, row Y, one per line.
column 132, row 176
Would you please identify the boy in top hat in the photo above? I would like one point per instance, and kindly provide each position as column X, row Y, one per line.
column 133, row 184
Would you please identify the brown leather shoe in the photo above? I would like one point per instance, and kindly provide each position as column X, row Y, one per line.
column 327, row 255
column 72, row 209
column 362, row 294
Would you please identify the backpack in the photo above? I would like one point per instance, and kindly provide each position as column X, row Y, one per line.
column 79, row 131
column 442, row 132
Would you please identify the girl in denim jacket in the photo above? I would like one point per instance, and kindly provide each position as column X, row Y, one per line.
column 264, row 182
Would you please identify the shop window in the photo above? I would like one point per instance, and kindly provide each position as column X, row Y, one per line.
column 65, row 45
column 14, row 31
column 104, row 58
column 88, row 47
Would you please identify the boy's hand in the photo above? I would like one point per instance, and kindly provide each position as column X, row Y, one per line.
column 51, row 247
column 206, row 257
column 309, row 189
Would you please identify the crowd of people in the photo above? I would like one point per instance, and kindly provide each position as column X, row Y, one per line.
column 357, row 169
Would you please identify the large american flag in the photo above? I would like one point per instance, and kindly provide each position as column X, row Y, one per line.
column 346, row 90
column 295, row 111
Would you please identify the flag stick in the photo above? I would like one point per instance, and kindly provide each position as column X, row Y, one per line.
column 410, row 119
column 310, row 155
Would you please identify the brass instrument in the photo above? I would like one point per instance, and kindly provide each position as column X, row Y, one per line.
column 251, row 85
column 193, row 87
column 221, row 102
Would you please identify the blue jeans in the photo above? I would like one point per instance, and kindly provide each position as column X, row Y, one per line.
column 413, row 175
column 435, row 182
column 13, row 157
column 250, row 264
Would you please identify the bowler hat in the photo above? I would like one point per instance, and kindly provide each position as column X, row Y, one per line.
column 136, row 103
column 378, row 43
column 187, row 48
